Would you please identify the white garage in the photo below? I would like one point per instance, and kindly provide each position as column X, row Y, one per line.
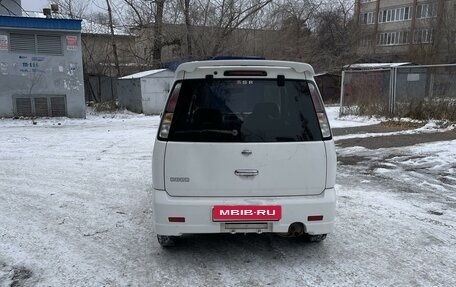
column 145, row 92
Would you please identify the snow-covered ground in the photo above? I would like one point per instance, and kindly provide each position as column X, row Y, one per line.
column 349, row 120
column 75, row 211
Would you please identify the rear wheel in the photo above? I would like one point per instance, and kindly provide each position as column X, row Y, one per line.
column 314, row 238
column 166, row 241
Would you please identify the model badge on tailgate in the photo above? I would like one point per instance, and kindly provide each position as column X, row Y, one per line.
column 179, row 179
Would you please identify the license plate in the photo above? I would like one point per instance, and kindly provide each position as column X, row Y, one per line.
column 247, row 213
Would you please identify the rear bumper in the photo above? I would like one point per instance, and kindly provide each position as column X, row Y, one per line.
column 198, row 212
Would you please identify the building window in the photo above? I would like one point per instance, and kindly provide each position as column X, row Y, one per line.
column 394, row 15
column 427, row 10
column 367, row 18
column 422, row 36
column 36, row 44
column 393, row 38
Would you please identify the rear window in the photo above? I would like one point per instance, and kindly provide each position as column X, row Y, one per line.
column 243, row 110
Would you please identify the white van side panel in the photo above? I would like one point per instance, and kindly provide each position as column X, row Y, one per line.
column 158, row 164
column 331, row 163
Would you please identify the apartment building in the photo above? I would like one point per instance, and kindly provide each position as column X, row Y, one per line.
column 422, row 31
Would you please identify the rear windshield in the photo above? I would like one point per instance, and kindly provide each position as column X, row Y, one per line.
column 243, row 110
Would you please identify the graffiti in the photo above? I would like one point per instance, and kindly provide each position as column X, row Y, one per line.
column 4, row 68
column 3, row 43
column 31, row 66
column 38, row 59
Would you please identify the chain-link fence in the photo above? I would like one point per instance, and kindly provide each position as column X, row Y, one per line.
column 421, row 92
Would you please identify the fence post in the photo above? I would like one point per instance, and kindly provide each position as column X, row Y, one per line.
column 393, row 109
column 390, row 94
column 341, row 92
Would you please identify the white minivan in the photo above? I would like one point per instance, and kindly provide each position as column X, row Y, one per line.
column 244, row 146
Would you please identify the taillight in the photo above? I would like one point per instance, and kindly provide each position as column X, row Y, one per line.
column 165, row 125
column 167, row 119
column 315, row 218
column 176, row 219
column 324, row 125
column 320, row 110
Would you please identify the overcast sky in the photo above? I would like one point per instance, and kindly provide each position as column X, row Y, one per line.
column 38, row 5
column 34, row 5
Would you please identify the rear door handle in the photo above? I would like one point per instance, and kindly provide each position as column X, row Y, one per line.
column 246, row 172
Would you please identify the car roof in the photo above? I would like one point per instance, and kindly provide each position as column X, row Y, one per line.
column 296, row 66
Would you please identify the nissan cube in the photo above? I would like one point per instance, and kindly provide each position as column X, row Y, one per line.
column 244, row 146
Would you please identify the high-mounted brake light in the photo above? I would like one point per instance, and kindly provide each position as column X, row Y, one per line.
column 244, row 73
column 319, row 109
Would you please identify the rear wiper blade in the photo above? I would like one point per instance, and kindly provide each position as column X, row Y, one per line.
column 227, row 132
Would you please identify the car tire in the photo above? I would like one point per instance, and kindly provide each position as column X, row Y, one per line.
column 314, row 238
column 166, row 241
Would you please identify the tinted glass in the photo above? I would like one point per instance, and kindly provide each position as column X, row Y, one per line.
column 244, row 111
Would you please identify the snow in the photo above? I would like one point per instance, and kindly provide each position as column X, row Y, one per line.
column 87, row 26
column 143, row 74
column 349, row 120
column 75, row 210
column 367, row 66
column 430, row 127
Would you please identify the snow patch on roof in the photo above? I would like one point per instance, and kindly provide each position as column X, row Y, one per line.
column 363, row 66
column 143, row 74
column 87, row 26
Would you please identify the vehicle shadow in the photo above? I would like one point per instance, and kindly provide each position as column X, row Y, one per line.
column 240, row 245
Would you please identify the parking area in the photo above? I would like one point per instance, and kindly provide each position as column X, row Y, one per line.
column 75, row 210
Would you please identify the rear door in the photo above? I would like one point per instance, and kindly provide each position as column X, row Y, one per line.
column 244, row 137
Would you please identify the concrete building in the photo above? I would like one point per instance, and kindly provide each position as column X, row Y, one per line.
column 421, row 31
column 40, row 67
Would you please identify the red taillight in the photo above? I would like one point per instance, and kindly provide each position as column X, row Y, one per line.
column 176, row 219
column 315, row 218
column 166, row 125
column 169, row 112
column 319, row 108
column 245, row 73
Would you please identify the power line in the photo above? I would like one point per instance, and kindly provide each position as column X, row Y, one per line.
column 20, row 6
column 7, row 9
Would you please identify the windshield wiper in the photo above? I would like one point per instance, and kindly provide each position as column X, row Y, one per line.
column 227, row 132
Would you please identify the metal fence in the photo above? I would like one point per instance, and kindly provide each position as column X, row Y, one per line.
column 100, row 89
column 421, row 92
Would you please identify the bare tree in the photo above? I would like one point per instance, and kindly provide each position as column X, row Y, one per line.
column 232, row 15
column 113, row 41
column 335, row 35
column 158, row 37
column 188, row 26
column 72, row 8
